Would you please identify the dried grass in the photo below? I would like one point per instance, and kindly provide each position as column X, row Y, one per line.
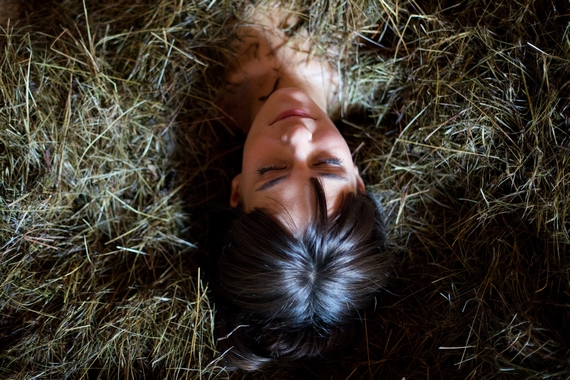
column 111, row 153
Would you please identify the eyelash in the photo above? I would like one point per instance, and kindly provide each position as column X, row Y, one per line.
column 329, row 161
column 266, row 169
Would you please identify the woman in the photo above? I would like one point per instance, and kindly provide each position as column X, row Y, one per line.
column 305, row 254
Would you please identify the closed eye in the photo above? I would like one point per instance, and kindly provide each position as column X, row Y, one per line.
column 264, row 169
column 330, row 161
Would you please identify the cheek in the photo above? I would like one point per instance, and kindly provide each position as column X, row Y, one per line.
column 259, row 147
column 338, row 145
column 254, row 157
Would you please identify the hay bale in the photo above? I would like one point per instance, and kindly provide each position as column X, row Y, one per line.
column 111, row 152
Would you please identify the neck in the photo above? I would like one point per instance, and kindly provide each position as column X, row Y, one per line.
column 310, row 78
column 268, row 60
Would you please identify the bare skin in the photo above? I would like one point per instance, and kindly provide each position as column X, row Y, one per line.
column 267, row 60
column 282, row 97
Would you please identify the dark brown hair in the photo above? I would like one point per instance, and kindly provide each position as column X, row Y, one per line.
column 286, row 298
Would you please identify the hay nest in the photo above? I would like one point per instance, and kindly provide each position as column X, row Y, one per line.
column 111, row 153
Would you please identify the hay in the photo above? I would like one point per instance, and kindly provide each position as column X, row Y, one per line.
column 112, row 152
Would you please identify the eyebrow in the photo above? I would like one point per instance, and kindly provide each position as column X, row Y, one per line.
column 269, row 184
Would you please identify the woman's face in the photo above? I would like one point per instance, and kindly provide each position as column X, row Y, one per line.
column 290, row 141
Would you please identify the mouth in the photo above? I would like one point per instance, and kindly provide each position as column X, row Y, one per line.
column 291, row 113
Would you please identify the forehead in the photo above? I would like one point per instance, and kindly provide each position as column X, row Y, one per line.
column 295, row 205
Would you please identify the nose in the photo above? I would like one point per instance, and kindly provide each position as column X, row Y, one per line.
column 297, row 134
column 297, row 140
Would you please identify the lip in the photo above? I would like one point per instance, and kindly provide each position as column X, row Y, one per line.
column 291, row 113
